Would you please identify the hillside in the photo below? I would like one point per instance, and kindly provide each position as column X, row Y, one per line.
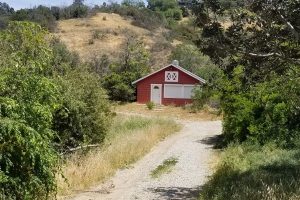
column 105, row 33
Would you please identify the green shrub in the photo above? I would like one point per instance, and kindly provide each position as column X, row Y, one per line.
column 132, row 65
column 28, row 99
column 150, row 105
column 266, row 112
column 119, row 87
column 84, row 116
column 63, row 60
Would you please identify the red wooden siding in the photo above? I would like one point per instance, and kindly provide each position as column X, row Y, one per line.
column 144, row 86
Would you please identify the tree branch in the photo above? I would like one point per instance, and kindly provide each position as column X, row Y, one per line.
column 263, row 54
column 291, row 27
column 289, row 24
column 79, row 148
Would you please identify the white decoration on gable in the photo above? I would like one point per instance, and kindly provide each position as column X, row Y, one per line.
column 171, row 76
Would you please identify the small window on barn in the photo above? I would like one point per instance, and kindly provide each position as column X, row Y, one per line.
column 171, row 76
column 155, row 87
column 176, row 91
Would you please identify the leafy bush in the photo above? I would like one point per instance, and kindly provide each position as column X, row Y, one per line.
column 141, row 16
column 267, row 112
column 150, row 105
column 162, row 5
column 63, row 60
column 168, row 8
column 133, row 64
column 28, row 162
column 85, row 113
column 134, row 3
column 41, row 15
column 41, row 107
column 119, row 87
column 200, row 97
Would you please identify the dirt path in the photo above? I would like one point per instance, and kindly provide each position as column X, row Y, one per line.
column 193, row 149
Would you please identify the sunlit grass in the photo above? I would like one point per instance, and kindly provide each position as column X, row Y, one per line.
column 253, row 172
column 129, row 139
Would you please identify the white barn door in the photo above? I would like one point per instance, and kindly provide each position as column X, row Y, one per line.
column 156, row 93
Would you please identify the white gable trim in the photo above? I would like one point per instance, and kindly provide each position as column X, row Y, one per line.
column 177, row 67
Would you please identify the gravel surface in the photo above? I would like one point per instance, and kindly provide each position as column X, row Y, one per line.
column 192, row 146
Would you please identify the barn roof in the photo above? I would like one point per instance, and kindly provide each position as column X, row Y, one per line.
column 177, row 67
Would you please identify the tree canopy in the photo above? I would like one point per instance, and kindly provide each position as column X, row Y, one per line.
column 258, row 50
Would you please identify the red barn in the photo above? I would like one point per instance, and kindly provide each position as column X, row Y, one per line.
column 169, row 85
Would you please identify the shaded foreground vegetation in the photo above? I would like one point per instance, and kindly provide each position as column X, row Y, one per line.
column 258, row 53
column 254, row 172
column 128, row 139
column 48, row 104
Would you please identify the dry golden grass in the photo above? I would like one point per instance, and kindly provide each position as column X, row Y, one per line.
column 76, row 34
column 129, row 139
column 168, row 112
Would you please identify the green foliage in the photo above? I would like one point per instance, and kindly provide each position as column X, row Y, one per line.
column 133, row 64
column 253, row 172
column 268, row 111
column 41, row 15
column 45, row 16
column 162, row 5
column 63, row 60
column 150, row 105
column 78, row 9
column 28, row 162
column 258, row 52
column 84, row 116
column 169, row 8
column 142, row 17
column 186, row 31
column 193, row 60
column 5, row 9
column 119, row 86
column 5, row 13
column 200, row 97
column 42, row 107
column 134, row 3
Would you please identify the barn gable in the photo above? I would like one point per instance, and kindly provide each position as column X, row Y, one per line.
column 170, row 66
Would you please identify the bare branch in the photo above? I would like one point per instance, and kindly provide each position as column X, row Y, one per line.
column 289, row 24
column 79, row 148
column 263, row 54
column 291, row 27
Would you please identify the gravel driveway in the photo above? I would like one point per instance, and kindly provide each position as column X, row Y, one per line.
column 192, row 146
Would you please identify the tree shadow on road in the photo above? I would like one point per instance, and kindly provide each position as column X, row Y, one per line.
column 176, row 193
column 215, row 142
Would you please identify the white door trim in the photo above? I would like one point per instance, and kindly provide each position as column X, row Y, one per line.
column 160, row 87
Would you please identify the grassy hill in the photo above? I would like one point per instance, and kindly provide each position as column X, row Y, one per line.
column 105, row 33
